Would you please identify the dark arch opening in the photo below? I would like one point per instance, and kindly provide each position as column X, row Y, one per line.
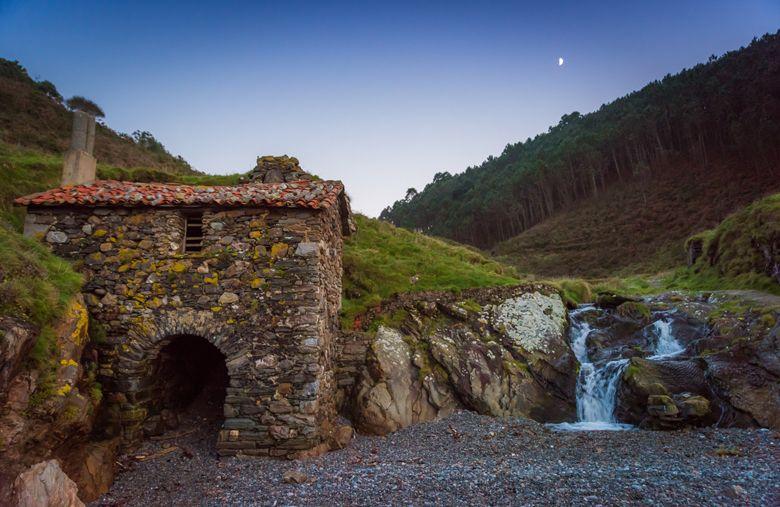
column 191, row 381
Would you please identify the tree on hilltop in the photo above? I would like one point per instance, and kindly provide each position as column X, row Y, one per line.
column 79, row 103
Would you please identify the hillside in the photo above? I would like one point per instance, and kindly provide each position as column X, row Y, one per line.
column 629, row 168
column 380, row 260
column 33, row 116
column 633, row 227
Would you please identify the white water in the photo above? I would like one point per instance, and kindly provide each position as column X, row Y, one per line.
column 597, row 386
column 666, row 345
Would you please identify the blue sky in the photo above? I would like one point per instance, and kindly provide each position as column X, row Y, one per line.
column 380, row 95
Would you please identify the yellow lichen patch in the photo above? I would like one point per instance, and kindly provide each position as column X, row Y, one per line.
column 78, row 312
column 216, row 309
column 154, row 303
column 96, row 257
column 62, row 391
column 179, row 267
column 68, row 362
column 256, row 234
column 99, row 233
column 123, row 268
column 257, row 223
column 212, row 280
column 127, row 254
column 279, row 249
column 257, row 283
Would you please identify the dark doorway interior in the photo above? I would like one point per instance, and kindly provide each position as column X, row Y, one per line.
column 192, row 378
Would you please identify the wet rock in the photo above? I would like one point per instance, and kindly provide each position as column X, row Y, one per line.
column 665, row 394
column 45, row 484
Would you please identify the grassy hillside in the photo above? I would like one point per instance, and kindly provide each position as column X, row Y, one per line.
column 381, row 259
column 33, row 116
column 571, row 193
column 743, row 251
column 634, row 227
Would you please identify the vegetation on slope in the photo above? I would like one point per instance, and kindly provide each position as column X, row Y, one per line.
column 33, row 116
column 35, row 285
column 720, row 113
column 743, row 251
column 380, row 260
column 632, row 228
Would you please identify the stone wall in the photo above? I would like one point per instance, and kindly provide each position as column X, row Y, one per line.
column 265, row 290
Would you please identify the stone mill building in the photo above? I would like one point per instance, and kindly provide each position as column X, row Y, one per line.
column 251, row 271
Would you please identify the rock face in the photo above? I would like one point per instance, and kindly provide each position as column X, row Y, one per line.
column 50, row 411
column 45, row 484
column 728, row 374
column 392, row 393
column 92, row 467
column 500, row 351
column 17, row 339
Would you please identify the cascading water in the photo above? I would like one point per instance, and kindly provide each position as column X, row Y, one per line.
column 596, row 387
column 597, row 384
column 666, row 345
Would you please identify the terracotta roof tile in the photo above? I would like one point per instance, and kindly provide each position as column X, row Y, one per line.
column 295, row 194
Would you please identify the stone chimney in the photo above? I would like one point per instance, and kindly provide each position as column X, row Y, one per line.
column 283, row 169
column 79, row 165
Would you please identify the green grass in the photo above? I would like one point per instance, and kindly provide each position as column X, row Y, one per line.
column 35, row 284
column 381, row 259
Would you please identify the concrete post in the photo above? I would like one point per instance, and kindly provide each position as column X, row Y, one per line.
column 79, row 165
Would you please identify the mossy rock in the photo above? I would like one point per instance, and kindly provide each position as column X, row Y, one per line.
column 613, row 300
column 634, row 310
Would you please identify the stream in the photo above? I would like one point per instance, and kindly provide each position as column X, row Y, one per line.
column 597, row 383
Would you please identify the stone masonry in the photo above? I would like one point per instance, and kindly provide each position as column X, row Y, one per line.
column 265, row 289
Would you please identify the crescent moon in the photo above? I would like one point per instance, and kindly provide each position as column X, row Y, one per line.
column 560, row 61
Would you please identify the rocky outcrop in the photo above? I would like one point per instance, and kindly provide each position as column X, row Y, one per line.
column 48, row 410
column 665, row 395
column 728, row 374
column 396, row 389
column 498, row 351
column 17, row 339
column 45, row 484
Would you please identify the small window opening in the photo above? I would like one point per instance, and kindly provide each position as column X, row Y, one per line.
column 193, row 232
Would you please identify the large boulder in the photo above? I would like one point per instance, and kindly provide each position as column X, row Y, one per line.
column 45, row 484
column 395, row 390
column 91, row 467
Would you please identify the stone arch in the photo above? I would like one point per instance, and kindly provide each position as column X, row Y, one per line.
column 134, row 383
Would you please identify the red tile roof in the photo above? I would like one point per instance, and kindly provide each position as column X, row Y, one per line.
column 295, row 194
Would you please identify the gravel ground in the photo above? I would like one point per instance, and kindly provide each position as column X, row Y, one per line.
column 468, row 459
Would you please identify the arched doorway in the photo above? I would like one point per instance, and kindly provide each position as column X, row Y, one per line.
column 190, row 378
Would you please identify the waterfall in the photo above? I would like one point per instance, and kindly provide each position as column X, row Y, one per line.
column 666, row 344
column 596, row 386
